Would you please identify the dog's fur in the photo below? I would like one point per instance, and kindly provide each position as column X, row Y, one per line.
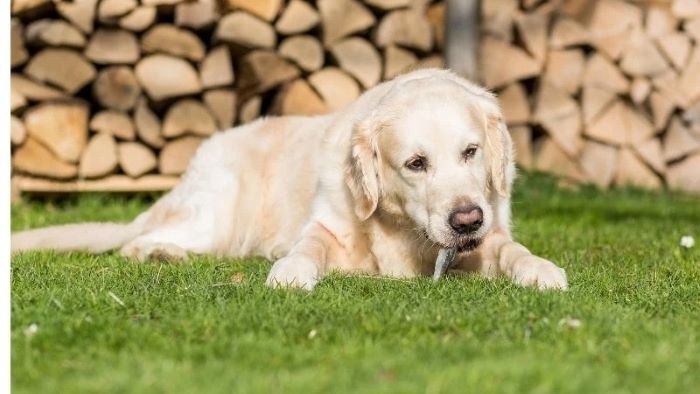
column 333, row 192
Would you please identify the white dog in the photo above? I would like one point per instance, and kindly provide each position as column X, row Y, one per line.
column 416, row 164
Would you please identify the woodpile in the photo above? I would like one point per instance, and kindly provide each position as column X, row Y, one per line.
column 605, row 91
column 122, row 92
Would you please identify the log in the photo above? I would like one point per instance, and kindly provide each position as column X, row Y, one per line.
column 661, row 108
column 341, row 18
column 533, row 31
column 298, row 98
column 337, row 88
column 99, row 157
column 265, row 9
column 434, row 61
column 396, row 61
column 631, row 171
column 668, row 83
column 33, row 158
column 222, row 104
column 360, row 59
column 28, row 6
column 640, row 57
column 263, row 70
column 689, row 81
column 48, row 32
column 594, row 101
column 18, row 52
column 18, row 133
column 135, row 159
column 112, row 183
column 81, row 13
column 651, row 153
column 216, row 69
column 684, row 175
column 408, row 28
column 298, row 17
column 598, row 162
column 162, row 2
column 64, row 68
column 522, row 143
column 497, row 18
column 173, row 40
column 109, row 10
column 304, row 50
column 17, row 100
column 115, row 123
column 551, row 158
column 620, row 125
column 692, row 28
column 639, row 90
column 388, row 4
column 678, row 141
column 176, row 155
column 148, row 125
column 197, row 15
column 113, row 47
column 139, row 19
column 565, row 69
column 659, row 21
column 686, row 9
column 250, row 109
column 243, row 29
column 515, row 105
column 188, row 116
column 676, row 47
column 116, row 87
column 566, row 33
column 181, row 78
column 610, row 26
column 495, row 72
column 559, row 114
column 603, row 74
column 61, row 126
column 34, row 91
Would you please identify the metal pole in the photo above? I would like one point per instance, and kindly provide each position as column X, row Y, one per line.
column 462, row 38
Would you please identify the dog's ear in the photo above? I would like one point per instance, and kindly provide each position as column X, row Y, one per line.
column 499, row 150
column 362, row 169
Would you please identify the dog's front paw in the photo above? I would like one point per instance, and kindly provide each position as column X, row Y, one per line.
column 293, row 272
column 537, row 272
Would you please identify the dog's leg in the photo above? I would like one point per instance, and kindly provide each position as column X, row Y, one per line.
column 500, row 254
column 306, row 263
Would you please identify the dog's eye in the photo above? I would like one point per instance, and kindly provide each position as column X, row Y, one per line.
column 469, row 152
column 418, row 163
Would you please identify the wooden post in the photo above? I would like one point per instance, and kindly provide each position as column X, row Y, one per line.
column 463, row 37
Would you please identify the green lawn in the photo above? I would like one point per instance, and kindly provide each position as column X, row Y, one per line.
column 109, row 325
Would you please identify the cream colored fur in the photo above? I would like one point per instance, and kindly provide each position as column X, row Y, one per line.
column 317, row 194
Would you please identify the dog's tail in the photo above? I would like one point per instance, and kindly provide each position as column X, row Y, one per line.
column 90, row 237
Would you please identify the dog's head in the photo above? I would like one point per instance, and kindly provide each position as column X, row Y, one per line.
column 434, row 156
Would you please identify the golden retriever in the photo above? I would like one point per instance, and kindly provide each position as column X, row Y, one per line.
column 415, row 164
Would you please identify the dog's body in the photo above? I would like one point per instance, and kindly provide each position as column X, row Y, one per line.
column 416, row 164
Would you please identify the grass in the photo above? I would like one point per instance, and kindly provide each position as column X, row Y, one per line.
column 108, row 325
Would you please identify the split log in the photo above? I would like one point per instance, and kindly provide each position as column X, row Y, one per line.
column 603, row 74
column 522, row 144
column 173, row 40
column 565, row 69
column 109, row 10
column 610, row 26
column 216, row 68
column 222, row 104
column 676, row 47
column 689, row 81
column 196, row 15
column 434, row 61
column 304, row 50
column 686, row 9
column 551, row 158
column 639, row 90
column 54, row 33
column 162, row 2
column 533, row 31
column 436, row 18
column 668, row 83
column 335, row 87
column 388, row 4
column 246, row 30
column 297, row 17
column 659, row 21
column 298, row 98
column 181, row 78
column 188, row 116
column 113, row 47
column 18, row 53
column 567, row 32
column 114, row 123
column 33, row 158
column 136, row 159
column 640, row 57
column 632, row 171
column 661, row 109
column 620, row 125
column 359, row 58
column 250, row 109
column 692, row 27
column 495, row 72
column 396, row 61
column 61, row 126
column 28, row 6
column 265, row 9
column 497, row 18
column 116, row 87
column 684, row 175
column 515, row 105
column 598, row 162
column 17, row 100
column 64, row 68
column 81, row 13
column 34, row 91
column 559, row 114
column 594, row 101
column 17, row 131
column 651, row 153
column 408, row 28
column 112, row 183
column 139, row 19
column 99, row 157
column 148, row 125
column 263, row 70
column 678, row 141
column 176, row 155
column 341, row 18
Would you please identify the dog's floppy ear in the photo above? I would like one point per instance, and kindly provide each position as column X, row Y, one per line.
column 499, row 149
column 362, row 171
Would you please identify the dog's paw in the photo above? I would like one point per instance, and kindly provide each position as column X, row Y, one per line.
column 157, row 252
column 533, row 271
column 293, row 272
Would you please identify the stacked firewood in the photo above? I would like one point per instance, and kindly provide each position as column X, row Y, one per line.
column 604, row 91
column 125, row 90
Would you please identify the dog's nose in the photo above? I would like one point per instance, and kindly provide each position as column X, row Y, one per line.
column 466, row 220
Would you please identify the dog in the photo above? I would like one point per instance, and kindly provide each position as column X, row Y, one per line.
column 415, row 164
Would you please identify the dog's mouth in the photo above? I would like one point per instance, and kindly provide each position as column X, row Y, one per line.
column 462, row 244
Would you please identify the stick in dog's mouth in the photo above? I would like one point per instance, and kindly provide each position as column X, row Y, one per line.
column 445, row 258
